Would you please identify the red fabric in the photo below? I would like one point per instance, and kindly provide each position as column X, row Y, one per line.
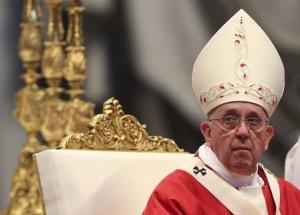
column 180, row 193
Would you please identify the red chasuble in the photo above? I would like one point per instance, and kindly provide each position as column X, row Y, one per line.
column 181, row 193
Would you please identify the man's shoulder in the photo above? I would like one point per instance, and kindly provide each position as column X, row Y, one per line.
column 178, row 181
column 177, row 177
column 287, row 187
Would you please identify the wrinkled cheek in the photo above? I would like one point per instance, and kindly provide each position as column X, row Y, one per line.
column 257, row 155
column 229, row 135
column 227, row 140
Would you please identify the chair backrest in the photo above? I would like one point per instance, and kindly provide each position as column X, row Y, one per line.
column 76, row 182
column 115, row 171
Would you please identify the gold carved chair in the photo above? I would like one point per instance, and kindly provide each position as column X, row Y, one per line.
column 111, row 169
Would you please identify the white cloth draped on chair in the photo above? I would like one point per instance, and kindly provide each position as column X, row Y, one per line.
column 76, row 182
column 292, row 165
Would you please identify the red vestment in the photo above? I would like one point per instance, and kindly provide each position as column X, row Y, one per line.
column 181, row 193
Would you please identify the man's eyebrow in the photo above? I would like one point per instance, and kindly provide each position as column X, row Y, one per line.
column 254, row 114
column 230, row 111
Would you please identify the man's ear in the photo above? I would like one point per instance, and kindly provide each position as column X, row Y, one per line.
column 206, row 131
column 269, row 135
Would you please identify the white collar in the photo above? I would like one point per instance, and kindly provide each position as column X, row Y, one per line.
column 236, row 180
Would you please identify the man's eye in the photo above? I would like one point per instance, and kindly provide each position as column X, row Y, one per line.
column 230, row 119
column 253, row 120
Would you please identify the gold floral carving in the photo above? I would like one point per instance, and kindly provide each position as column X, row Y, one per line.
column 115, row 130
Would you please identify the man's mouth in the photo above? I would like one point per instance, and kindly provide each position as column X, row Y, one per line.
column 241, row 149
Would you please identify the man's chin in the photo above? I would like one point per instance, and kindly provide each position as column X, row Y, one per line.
column 241, row 154
column 242, row 167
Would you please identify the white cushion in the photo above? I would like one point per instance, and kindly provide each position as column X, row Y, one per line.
column 101, row 182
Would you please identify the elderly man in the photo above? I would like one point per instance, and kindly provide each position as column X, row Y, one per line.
column 239, row 79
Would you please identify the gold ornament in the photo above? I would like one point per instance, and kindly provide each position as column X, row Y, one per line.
column 115, row 130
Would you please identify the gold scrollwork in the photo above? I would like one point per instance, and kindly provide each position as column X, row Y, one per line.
column 115, row 130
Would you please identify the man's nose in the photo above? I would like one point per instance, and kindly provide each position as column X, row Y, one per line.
column 242, row 131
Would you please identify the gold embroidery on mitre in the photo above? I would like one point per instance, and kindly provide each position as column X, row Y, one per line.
column 242, row 74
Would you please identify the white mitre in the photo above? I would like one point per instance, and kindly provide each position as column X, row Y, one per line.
column 239, row 63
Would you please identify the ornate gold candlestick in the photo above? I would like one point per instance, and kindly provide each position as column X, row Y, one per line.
column 41, row 111
column 53, row 124
column 24, row 195
column 79, row 112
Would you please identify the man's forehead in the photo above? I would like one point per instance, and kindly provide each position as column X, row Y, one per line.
column 239, row 107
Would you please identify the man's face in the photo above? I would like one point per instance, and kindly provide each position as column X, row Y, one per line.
column 238, row 148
